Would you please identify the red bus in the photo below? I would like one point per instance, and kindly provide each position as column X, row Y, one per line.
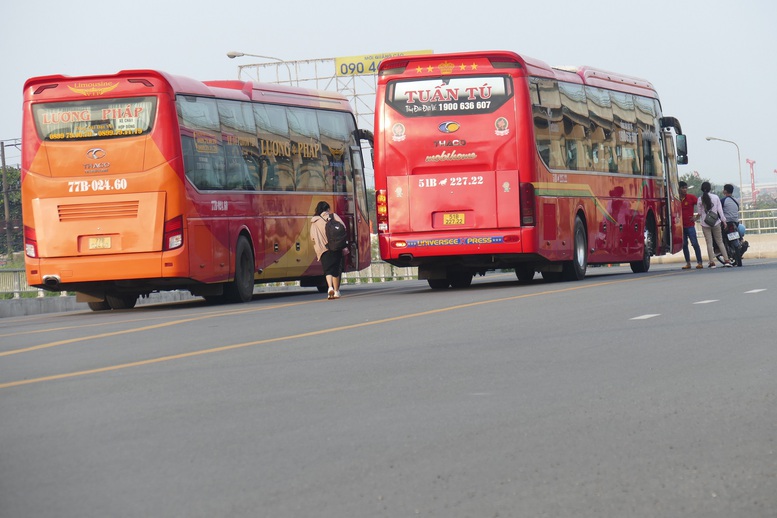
column 492, row 160
column 143, row 181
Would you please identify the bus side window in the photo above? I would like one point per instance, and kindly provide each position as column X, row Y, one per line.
column 598, row 160
column 284, row 174
column 575, row 151
column 310, row 176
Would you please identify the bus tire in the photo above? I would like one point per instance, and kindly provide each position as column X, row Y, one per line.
column 575, row 269
column 241, row 289
column 650, row 238
column 439, row 284
column 460, row 280
column 524, row 273
column 122, row 300
column 101, row 305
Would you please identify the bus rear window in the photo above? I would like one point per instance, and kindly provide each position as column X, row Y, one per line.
column 449, row 95
column 94, row 119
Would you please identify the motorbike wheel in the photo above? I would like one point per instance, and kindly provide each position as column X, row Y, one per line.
column 737, row 255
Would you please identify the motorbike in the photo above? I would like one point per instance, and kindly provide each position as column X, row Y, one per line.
column 733, row 240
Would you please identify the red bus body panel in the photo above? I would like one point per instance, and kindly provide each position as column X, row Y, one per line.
column 455, row 199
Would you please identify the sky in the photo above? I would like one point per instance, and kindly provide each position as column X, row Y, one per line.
column 711, row 61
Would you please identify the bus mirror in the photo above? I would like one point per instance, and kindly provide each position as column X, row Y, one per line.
column 367, row 135
column 682, row 149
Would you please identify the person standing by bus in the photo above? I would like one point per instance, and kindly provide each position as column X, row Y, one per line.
column 688, row 202
column 331, row 261
column 709, row 202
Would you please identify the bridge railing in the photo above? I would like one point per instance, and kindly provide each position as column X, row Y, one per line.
column 14, row 281
column 759, row 221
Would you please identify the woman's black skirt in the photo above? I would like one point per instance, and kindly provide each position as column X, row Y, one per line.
column 332, row 263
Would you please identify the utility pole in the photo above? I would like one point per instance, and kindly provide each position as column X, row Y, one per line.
column 6, row 204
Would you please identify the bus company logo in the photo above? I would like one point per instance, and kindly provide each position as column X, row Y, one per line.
column 337, row 152
column 398, row 132
column 92, row 89
column 449, row 127
column 456, row 241
column 502, row 127
column 450, row 143
column 446, row 67
column 96, row 153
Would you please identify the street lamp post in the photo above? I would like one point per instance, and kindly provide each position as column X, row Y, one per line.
column 233, row 54
column 739, row 161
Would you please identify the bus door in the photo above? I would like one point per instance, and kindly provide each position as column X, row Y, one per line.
column 357, row 201
column 672, row 238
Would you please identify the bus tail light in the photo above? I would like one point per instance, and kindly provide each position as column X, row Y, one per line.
column 173, row 233
column 30, row 242
column 528, row 216
column 381, row 209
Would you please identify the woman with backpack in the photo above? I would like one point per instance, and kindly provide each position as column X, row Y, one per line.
column 331, row 260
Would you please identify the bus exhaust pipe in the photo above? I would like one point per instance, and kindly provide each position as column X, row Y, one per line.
column 52, row 281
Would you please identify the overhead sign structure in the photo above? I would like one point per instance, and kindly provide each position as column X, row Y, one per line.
column 368, row 64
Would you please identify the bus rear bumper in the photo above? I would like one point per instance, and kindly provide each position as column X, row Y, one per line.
column 76, row 273
column 474, row 248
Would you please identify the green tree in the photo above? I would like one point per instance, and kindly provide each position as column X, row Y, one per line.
column 765, row 201
column 694, row 181
column 14, row 223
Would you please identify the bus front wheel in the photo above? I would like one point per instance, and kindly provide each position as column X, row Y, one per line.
column 650, row 239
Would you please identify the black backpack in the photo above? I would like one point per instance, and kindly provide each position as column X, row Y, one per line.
column 336, row 235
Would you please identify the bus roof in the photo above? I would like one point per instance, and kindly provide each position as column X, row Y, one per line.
column 534, row 67
column 175, row 84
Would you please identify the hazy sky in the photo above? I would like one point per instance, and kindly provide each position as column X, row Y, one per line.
column 712, row 61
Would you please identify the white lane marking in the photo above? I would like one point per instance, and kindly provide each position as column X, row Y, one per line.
column 756, row 291
column 706, row 301
column 645, row 317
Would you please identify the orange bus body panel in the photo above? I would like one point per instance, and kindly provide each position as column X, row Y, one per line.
column 103, row 199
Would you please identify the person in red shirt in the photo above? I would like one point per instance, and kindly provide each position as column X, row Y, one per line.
column 688, row 202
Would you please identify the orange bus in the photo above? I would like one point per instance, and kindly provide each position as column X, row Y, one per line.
column 492, row 160
column 143, row 181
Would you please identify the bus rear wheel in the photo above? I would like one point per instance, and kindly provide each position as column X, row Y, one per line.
column 460, row 279
column 574, row 270
column 439, row 284
column 122, row 300
column 241, row 289
column 524, row 273
column 101, row 305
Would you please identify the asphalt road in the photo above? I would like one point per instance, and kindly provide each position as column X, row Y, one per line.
column 622, row 395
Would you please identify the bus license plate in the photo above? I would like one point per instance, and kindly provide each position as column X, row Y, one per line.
column 455, row 218
column 733, row 236
column 99, row 243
